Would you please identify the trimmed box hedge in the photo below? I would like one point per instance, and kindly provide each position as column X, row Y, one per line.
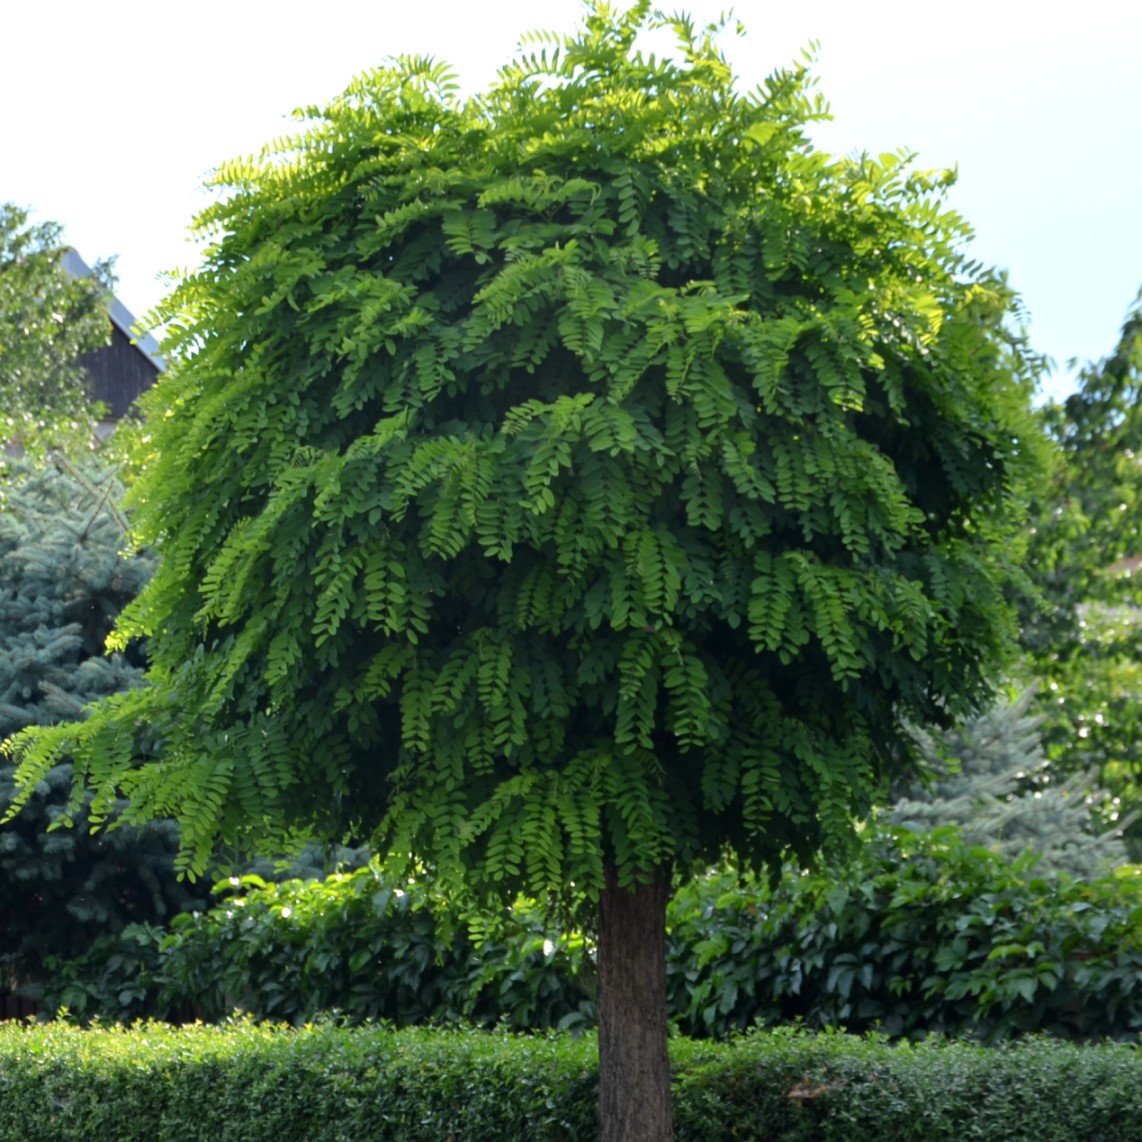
column 246, row 1082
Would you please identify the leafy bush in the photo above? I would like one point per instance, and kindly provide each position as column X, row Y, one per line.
column 356, row 943
column 923, row 934
column 249, row 1083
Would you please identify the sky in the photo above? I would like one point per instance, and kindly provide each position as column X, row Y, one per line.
column 114, row 115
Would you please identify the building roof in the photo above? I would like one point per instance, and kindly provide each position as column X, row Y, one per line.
column 121, row 317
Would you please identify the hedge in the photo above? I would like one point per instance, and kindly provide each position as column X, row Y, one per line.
column 247, row 1082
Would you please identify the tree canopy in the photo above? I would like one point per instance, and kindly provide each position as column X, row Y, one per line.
column 1083, row 634
column 564, row 486
column 589, row 473
column 48, row 318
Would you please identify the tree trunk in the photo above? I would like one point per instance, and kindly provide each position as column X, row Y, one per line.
column 634, row 1068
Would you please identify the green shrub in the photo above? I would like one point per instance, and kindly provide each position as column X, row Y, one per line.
column 354, row 943
column 924, row 934
column 249, row 1083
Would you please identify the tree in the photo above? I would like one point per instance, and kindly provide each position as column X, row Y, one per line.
column 47, row 320
column 562, row 487
column 63, row 580
column 1083, row 638
column 994, row 783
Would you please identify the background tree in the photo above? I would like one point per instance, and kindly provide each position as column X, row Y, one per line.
column 562, row 487
column 1083, row 639
column 63, row 579
column 47, row 319
column 991, row 779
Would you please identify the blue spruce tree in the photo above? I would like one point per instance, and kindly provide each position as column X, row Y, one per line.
column 63, row 579
column 992, row 780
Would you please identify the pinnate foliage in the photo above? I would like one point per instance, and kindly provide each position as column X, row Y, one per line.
column 590, row 472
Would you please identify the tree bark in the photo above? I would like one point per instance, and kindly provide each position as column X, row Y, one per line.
column 634, row 1068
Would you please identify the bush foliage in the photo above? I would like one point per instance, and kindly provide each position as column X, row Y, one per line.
column 249, row 1083
column 925, row 933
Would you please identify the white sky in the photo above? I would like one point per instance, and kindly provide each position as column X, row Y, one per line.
column 113, row 113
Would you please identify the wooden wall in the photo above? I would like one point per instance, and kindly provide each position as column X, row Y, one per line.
column 119, row 373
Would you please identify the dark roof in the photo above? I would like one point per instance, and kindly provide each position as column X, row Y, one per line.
column 129, row 365
column 121, row 317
